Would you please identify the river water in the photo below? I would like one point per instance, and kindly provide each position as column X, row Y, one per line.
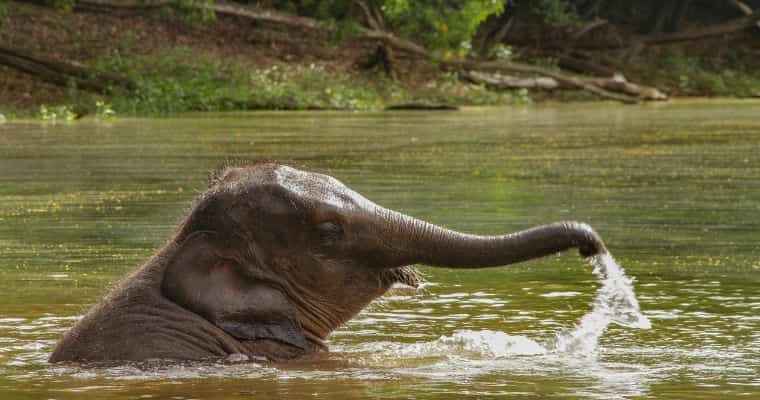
column 674, row 189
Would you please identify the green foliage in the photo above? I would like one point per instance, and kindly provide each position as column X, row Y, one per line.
column 440, row 24
column 196, row 11
column 3, row 12
column 311, row 86
column 446, row 25
column 449, row 89
column 556, row 13
column 502, row 51
column 175, row 82
column 182, row 81
column 692, row 76
column 57, row 113
column 61, row 5
column 104, row 110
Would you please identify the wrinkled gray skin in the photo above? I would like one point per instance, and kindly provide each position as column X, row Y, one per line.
column 271, row 260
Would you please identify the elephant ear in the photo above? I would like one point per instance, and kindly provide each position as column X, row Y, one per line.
column 204, row 278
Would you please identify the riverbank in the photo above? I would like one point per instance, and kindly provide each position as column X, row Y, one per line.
column 177, row 65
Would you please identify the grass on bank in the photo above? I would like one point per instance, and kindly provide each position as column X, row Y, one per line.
column 691, row 76
column 182, row 81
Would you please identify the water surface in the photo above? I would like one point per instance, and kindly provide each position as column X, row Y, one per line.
column 674, row 189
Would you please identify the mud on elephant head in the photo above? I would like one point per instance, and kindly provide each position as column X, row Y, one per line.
column 271, row 260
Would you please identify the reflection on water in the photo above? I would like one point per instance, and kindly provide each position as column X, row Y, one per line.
column 672, row 189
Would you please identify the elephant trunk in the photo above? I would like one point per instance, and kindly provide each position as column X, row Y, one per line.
column 420, row 242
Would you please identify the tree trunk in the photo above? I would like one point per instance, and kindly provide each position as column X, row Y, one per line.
column 383, row 55
column 506, row 82
column 61, row 73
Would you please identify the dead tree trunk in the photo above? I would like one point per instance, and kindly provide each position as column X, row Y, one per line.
column 61, row 73
column 616, row 83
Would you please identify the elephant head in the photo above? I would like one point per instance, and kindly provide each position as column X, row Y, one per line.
column 272, row 254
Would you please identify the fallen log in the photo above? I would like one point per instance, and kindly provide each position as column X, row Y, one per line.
column 257, row 14
column 48, row 75
column 503, row 82
column 61, row 73
column 617, row 83
column 71, row 69
column 562, row 79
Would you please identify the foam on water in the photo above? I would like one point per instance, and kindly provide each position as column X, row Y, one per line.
column 615, row 302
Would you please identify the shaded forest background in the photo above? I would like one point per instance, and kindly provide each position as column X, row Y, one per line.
column 72, row 57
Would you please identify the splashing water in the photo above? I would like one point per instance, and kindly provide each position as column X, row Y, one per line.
column 615, row 302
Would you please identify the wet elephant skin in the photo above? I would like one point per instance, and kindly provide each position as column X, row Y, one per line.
column 271, row 260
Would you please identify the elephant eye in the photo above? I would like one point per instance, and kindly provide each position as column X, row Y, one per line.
column 329, row 233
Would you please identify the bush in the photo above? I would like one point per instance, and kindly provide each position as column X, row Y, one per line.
column 440, row 24
column 694, row 77
column 181, row 81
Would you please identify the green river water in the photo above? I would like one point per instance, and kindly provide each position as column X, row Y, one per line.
column 674, row 189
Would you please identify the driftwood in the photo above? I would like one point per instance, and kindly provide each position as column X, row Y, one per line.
column 61, row 73
column 562, row 79
column 617, row 83
column 504, row 82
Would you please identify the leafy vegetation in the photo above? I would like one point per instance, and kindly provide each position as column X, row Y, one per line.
column 57, row 113
column 692, row 76
column 3, row 12
column 440, row 24
column 183, row 80
column 159, row 79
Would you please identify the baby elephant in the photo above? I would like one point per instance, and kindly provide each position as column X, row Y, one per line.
column 271, row 260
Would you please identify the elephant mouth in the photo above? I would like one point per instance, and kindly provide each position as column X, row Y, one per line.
column 408, row 276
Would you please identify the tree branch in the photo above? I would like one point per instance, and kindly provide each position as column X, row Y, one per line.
column 61, row 72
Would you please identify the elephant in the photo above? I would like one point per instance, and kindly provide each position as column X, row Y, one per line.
column 271, row 260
